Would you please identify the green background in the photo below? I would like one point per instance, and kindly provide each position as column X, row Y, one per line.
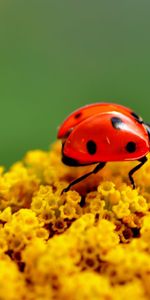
column 58, row 55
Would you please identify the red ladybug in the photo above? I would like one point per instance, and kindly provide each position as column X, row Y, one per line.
column 102, row 132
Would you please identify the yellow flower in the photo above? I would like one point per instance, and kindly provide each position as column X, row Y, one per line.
column 12, row 283
column 92, row 242
column 86, row 285
column 121, row 209
column 145, row 230
column 5, row 215
column 106, row 188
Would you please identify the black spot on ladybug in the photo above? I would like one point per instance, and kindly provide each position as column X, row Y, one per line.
column 131, row 147
column 78, row 115
column 136, row 117
column 91, row 147
column 116, row 122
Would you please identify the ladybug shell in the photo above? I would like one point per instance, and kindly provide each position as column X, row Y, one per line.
column 111, row 136
column 84, row 112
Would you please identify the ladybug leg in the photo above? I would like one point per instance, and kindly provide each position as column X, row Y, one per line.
column 96, row 169
column 142, row 162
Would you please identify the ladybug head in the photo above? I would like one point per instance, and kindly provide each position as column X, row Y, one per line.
column 147, row 126
column 69, row 161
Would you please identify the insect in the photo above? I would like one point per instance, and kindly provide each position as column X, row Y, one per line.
column 103, row 132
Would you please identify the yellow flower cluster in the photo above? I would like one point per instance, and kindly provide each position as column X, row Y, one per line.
column 91, row 243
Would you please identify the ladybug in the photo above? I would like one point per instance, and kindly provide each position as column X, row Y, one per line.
column 103, row 132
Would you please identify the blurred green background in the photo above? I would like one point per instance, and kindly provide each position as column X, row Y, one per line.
column 58, row 55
